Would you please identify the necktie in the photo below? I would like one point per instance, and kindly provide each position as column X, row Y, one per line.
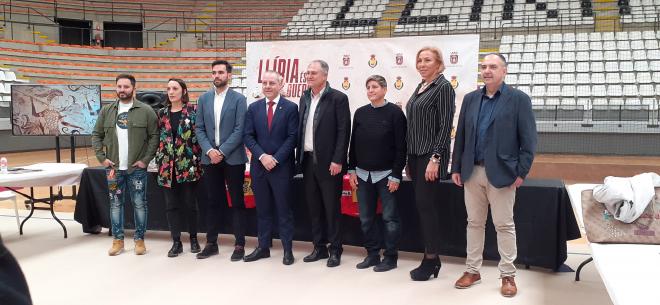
column 270, row 113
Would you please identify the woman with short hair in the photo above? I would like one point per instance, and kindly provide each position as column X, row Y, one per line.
column 377, row 156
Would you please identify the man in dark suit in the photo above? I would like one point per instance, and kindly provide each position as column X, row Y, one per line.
column 271, row 127
column 219, row 129
column 493, row 152
column 323, row 136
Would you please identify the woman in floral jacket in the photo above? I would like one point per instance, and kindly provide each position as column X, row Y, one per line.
column 179, row 163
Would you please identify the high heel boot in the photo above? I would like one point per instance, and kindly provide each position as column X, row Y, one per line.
column 429, row 266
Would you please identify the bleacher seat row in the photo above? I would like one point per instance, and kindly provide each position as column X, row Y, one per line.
column 586, row 69
column 320, row 18
column 430, row 15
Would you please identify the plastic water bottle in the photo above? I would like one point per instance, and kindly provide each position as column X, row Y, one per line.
column 3, row 165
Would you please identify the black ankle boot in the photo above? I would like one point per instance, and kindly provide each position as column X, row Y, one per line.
column 388, row 263
column 177, row 248
column 194, row 245
column 429, row 266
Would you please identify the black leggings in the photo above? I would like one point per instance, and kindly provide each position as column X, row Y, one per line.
column 181, row 205
column 427, row 200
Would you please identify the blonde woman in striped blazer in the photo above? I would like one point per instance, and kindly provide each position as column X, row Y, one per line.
column 430, row 113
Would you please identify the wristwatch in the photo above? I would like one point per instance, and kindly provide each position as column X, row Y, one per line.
column 435, row 158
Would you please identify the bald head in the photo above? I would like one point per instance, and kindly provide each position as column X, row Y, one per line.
column 500, row 57
column 493, row 71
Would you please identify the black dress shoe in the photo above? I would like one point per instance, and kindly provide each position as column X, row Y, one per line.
column 317, row 254
column 177, row 248
column 370, row 260
column 237, row 255
column 387, row 264
column 334, row 260
column 209, row 250
column 194, row 245
column 257, row 254
column 288, row 258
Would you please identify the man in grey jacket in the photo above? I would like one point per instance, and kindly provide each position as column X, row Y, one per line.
column 219, row 129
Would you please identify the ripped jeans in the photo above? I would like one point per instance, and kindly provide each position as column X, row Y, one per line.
column 135, row 184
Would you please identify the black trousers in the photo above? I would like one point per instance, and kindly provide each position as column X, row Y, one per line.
column 323, row 197
column 181, row 207
column 13, row 287
column 427, row 200
column 216, row 176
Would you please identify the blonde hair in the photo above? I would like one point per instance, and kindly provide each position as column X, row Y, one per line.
column 436, row 53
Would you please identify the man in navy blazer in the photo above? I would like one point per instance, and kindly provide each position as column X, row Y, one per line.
column 219, row 129
column 271, row 128
column 493, row 153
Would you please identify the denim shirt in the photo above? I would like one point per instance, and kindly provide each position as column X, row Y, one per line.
column 485, row 115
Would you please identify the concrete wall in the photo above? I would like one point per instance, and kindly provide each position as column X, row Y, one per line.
column 565, row 143
column 600, row 143
column 9, row 143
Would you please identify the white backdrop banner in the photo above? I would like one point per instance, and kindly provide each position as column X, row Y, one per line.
column 352, row 61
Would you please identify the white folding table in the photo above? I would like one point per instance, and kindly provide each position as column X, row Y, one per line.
column 629, row 271
column 42, row 174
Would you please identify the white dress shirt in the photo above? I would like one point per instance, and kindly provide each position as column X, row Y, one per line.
column 309, row 126
column 218, row 101
column 276, row 100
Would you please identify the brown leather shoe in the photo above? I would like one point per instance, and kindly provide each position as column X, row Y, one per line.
column 508, row 286
column 467, row 280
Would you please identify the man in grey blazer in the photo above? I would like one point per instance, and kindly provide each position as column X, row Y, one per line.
column 219, row 129
column 493, row 152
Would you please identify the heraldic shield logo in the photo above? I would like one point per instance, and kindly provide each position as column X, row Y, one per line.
column 399, row 59
column 372, row 61
column 398, row 84
column 453, row 58
column 247, row 187
column 346, row 84
column 454, row 82
column 347, row 60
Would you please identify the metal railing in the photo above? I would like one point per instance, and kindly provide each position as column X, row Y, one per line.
column 152, row 37
column 214, row 33
column 145, row 12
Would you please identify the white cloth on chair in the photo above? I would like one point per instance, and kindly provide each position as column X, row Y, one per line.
column 627, row 198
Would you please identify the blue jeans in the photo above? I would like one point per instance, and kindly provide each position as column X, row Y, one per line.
column 136, row 185
column 368, row 194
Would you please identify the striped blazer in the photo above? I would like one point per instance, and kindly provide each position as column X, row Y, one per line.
column 430, row 116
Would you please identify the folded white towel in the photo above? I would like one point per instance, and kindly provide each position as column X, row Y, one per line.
column 627, row 198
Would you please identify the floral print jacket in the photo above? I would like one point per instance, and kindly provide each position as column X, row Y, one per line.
column 183, row 152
